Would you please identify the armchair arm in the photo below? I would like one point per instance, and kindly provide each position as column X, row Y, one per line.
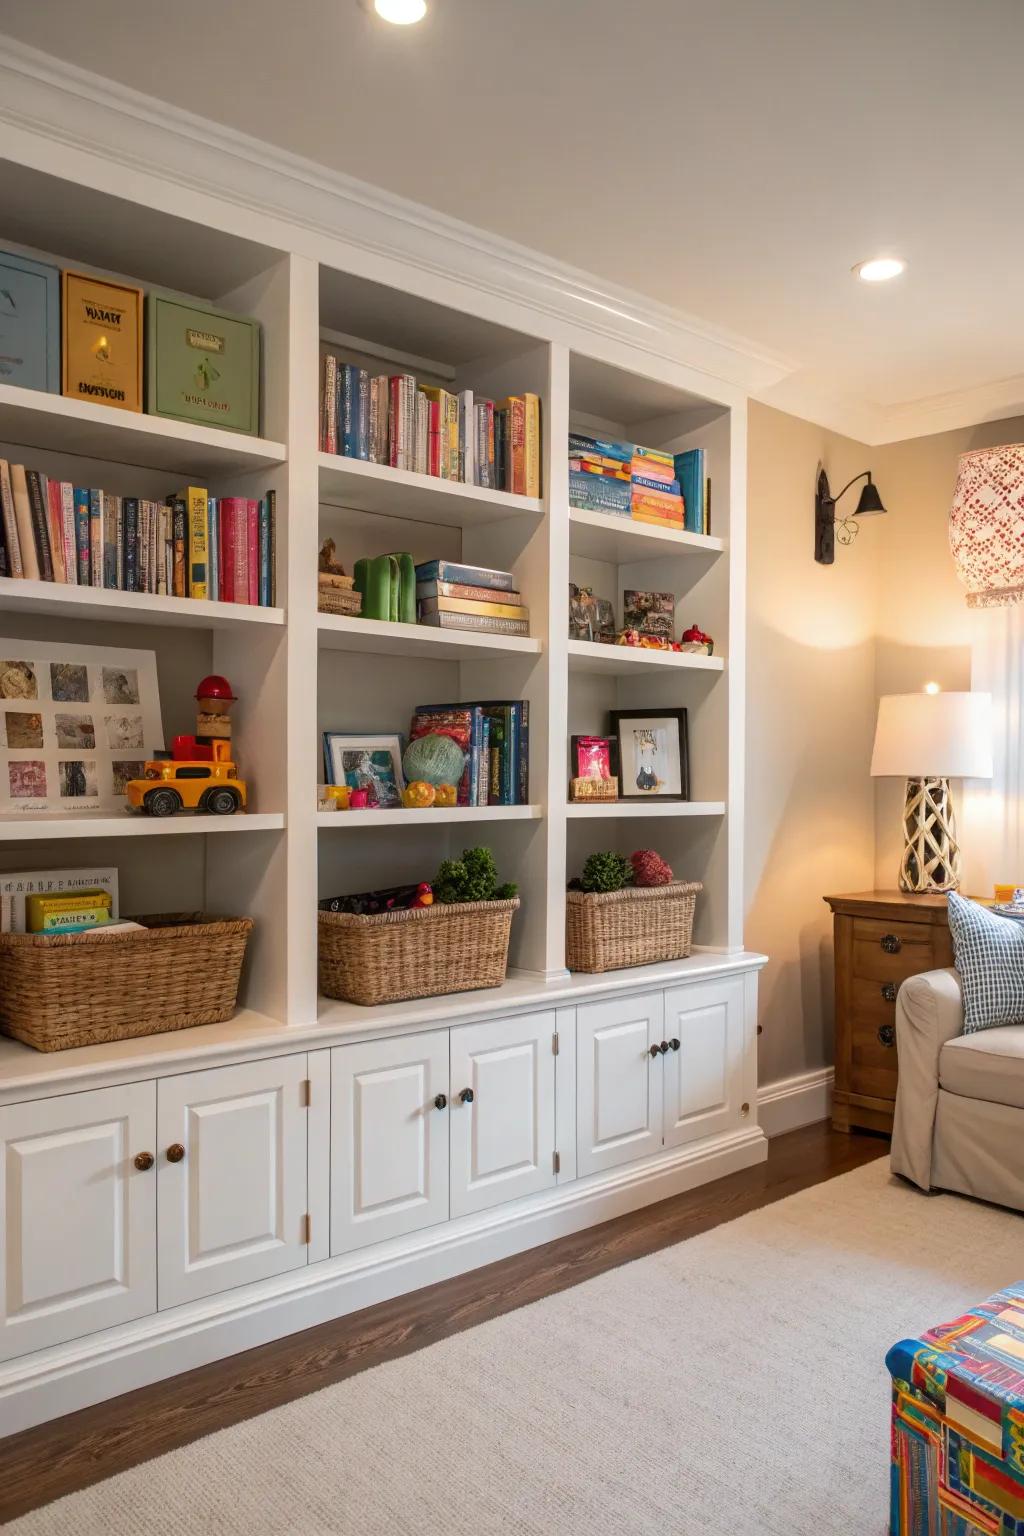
column 929, row 1011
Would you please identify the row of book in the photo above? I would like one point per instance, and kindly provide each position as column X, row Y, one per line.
column 450, row 595
column 495, row 736
column 646, row 484
column 392, row 419
column 191, row 545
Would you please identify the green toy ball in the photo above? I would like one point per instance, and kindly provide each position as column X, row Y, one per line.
column 434, row 758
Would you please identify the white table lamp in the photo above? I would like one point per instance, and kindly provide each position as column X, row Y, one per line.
column 929, row 738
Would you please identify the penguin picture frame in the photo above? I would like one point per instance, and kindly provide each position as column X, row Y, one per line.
column 653, row 753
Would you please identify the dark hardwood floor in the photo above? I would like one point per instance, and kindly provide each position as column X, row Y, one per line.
column 42, row 1464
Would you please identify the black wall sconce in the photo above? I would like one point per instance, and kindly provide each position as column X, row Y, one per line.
column 826, row 528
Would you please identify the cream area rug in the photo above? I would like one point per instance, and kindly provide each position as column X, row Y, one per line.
column 733, row 1385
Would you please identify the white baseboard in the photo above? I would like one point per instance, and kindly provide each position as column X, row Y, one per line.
column 41, row 1386
column 791, row 1102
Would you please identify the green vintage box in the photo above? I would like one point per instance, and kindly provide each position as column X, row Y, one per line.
column 202, row 364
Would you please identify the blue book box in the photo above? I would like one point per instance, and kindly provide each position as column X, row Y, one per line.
column 29, row 323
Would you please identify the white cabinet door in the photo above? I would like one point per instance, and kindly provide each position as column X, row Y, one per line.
column 77, row 1217
column 619, row 1081
column 389, row 1138
column 704, row 1062
column 502, row 1111
column 232, row 1176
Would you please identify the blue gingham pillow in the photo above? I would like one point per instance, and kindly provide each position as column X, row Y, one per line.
column 989, row 954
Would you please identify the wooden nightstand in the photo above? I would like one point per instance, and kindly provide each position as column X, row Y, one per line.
column 881, row 938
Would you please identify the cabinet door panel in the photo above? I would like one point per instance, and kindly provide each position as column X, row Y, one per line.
column 78, row 1218
column 619, row 1082
column 704, row 1076
column 389, row 1143
column 503, row 1142
column 233, row 1209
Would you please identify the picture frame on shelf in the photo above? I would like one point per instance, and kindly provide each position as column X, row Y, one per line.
column 591, row 757
column 652, row 613
column 652, row 754
column 366, row 760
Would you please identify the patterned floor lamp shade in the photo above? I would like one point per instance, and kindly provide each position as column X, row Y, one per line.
column 986, row 525
column 928, row 739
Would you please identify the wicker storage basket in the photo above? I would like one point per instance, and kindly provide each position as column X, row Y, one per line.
column 606, row 930
column 70, row 989
column 419, row 953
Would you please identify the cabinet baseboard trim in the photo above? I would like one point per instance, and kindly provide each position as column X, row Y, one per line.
column 792, row 1102
column 38, row 1387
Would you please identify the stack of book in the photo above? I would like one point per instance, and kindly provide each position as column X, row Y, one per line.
column 87, row 887
column 191, row 545
column 655, row 496
column 392, row 419
column 600, row 475
column 495, row 736
column 454, row 596
column 337, row 594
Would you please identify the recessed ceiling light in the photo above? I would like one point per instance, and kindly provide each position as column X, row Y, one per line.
column 401, row 12
column 880, row 270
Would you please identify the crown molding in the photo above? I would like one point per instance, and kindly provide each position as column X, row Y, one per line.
column 60, row 104
column 997, row 401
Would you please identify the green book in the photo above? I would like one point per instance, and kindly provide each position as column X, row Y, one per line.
column 202, row 365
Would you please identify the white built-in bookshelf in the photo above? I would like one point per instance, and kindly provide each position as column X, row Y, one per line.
column 297, row 672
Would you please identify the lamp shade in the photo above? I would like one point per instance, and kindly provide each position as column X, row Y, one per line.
column 870, row 502
column 933, row 736
column 986, row 525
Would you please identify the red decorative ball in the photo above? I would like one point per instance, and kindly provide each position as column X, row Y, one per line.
column 649, row 868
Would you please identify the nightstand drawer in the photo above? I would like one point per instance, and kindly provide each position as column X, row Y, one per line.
column 876, row 931
column 873, row 964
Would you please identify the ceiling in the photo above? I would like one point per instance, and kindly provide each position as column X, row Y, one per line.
column 731, row 158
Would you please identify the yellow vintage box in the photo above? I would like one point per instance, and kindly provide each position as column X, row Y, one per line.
column 101, row 344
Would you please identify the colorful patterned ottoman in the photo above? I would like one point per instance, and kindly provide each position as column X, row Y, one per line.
column 958, row 1424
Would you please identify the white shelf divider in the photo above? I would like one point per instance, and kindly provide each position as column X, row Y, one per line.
column 367, row 487
column 58, row 599
column 618, row 809
column 40, row 420
column 340, row 820
column 25, row 829
column 624, row 660
column 339, row 632
column 620, row 540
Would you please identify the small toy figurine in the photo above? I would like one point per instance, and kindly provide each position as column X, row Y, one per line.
column 213, row 719
column 694, row 639
column 175, row 784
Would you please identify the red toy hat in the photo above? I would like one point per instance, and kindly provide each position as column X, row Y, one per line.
column 215, row 687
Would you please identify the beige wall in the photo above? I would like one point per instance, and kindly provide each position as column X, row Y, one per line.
column 810, row 717
column 824, row 642
column 923, row 620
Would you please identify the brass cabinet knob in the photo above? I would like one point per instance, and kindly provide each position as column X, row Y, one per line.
column 891, row 943
column 175, row 1152
column 887, row 1034
column 144, row 1161
column 889, row 991
column 466, row 1095
column 441, row 1102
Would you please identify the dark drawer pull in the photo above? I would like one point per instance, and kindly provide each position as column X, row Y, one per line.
column 890, row 943
column 889, row 991
column 887, row 1034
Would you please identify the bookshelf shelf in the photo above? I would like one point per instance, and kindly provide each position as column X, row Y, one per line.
column 378, row 488
column 619, row 809
column 26, row 829
column 57, row 599
column 369, row 636
column 599, row 536
column 336, row 821
column 624, row 660
column 35, row 419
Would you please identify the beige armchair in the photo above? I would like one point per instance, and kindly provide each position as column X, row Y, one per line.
column 960, row 1103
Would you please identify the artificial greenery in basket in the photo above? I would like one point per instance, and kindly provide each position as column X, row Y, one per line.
column 474, row 877
column 627, row 912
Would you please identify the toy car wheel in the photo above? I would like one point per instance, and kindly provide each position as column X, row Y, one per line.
column 162, row 802
column 222, row 802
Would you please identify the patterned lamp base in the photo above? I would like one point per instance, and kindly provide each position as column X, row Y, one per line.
column 931, row 857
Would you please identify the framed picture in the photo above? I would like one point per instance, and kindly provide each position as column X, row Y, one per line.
column 591, row 757
column 652, row 613
column 76, row 723
column 369, row 762
column 653, row 753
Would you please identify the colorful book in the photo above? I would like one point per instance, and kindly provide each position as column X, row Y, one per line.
column 69, row 538
column 515, row 477
column 82, row 549
column 95, row 536
column 690, row 472
column 130, row 541
column 15, row 566
column 599, row 493
column 596, row 447
column 329, row 404
column 532, row 446
column 55, row 528
column 213, row 544
column 467, row 438
column 252, row 554
column 23, row 518
column 477, row 623
column 263, row 585
column 463, row 589
column 469, row 575
column 37, row 497
column 485, row 610
column 197, row 553
column 17, row 886
column 272, row 519
column 111, row 508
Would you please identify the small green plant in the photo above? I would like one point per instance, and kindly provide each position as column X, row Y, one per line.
column 474, row 877
column 606, row 872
